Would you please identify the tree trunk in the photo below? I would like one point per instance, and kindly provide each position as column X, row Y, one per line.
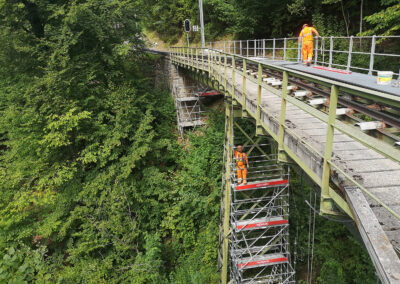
column 344, row 17
column 361, row 15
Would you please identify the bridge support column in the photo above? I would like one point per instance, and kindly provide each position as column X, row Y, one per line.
column 244, row 72
column 326, row 200
column 227, row 190
column 259, row 129
column 282, row 156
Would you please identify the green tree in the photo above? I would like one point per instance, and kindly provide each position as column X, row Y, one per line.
column 386, row 21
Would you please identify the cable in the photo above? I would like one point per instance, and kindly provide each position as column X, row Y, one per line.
column 313, row 238
column 330, row 219
column 309, row 242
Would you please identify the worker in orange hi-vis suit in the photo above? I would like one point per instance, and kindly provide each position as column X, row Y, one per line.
column 306, row 38
column 242, row 163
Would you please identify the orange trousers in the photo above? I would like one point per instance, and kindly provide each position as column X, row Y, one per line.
column 241, row 171
column 307, row 51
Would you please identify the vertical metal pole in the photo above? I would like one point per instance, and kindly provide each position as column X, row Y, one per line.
column 372, row 55
column 316, row 52
column 233, row 76
column 298, row 51
column 330, row 51
column 212, row 64
column 201, row 59
column 197, row 59
column 240, row 47
column 247, row 48
column 220, row 67
column 209, row 65
column 187, row 37
column 349, row 55
column 191, row 58
column 227, row 192
column 284, row 48
column 259, row 82
column 244, row 85
column 255, row 48
column 326, row 201
column 234, row 47
column 263, row 48
column 225, row 84
column 281, row 155
column 203, row 40
column 273, row 49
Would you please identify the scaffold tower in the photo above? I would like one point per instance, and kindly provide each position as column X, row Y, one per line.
column 254, row 234
column 187, row 102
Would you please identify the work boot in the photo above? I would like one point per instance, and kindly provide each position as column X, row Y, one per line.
column 239, row 182
column 245, row 182
column 308, row 63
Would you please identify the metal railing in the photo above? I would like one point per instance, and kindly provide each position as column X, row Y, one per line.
column 216, row 64
column 366, row 54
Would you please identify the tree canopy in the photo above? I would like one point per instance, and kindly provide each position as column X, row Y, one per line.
column 251, row 19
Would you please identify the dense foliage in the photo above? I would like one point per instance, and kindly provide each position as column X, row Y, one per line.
column 95, row 187
column 248, row 19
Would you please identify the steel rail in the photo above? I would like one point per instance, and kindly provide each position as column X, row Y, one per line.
column 386, row 118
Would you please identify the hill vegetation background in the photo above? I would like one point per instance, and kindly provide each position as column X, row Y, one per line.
column 95, row 186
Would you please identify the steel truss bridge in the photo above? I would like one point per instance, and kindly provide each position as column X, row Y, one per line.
column 303, row 116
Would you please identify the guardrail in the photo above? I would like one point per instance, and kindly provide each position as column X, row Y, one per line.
column 366, row 54
column 215, row 64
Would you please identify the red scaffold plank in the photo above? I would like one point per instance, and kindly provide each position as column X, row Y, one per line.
column 215, row 93
column 262, row 224
column 261, row 262
column 261, row 184
column 332, row 70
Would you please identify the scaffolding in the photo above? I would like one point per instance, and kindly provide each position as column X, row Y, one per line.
column 188, row 107
column 254, row 233
column 259, row 242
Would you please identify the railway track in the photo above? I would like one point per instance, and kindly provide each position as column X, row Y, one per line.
column 381, row 121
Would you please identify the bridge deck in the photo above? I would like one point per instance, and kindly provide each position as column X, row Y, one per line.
column 357, row 79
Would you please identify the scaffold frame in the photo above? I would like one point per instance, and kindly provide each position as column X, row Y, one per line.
column 254, row 234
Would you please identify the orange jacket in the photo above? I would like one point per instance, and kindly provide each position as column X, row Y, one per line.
column 306, row 33
column 241, row 158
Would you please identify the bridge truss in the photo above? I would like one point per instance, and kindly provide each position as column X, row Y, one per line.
column 316, row 140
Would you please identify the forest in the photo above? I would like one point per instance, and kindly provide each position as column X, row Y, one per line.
column 96, row 186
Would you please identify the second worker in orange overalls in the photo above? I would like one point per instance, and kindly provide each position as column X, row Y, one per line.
column 306, row 38
column 242, row 163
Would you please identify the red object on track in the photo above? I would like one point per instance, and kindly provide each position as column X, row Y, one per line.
column 332, row 70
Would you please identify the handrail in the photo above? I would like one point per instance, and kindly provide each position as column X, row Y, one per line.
column 206, row 60
column 323, row 56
